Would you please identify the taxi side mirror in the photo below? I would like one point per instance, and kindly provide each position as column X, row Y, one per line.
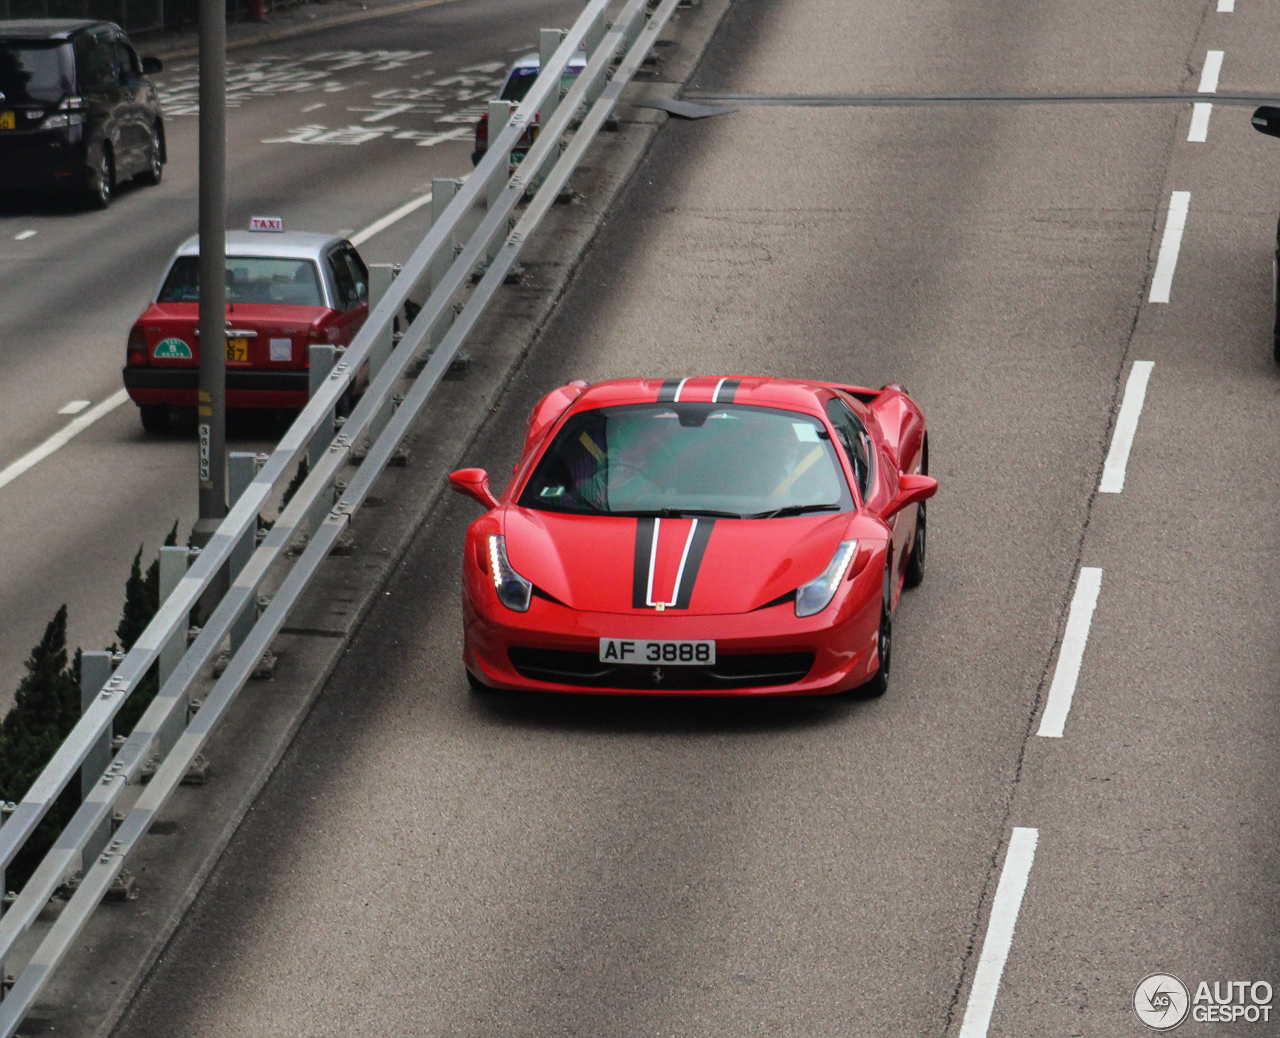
column 473, row 483
column 912, row 489
column 1267, row 120
column 152, row 66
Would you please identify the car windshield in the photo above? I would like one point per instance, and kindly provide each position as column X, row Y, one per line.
column 250, row 279
column 521, row 79
column 40, row 72
column 689, row 459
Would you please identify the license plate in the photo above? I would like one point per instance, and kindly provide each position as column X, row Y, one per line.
column 668, row 653
column 238, row 350
column 8, row 121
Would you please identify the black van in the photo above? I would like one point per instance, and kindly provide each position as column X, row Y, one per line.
column 77, row 111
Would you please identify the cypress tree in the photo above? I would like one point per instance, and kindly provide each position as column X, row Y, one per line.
column 45, row 709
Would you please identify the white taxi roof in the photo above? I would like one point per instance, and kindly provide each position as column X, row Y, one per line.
column 286, row 245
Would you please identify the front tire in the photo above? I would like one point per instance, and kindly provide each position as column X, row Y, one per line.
column 914, row 575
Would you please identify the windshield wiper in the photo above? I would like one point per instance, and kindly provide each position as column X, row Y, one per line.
column 678, row 513
column 793, row 510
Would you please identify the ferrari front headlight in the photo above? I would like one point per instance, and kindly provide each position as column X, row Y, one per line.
column 816, row 595
column 514, row 591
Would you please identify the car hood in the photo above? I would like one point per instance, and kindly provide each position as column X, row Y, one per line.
column 706, row 566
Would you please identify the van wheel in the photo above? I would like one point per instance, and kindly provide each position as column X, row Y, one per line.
column 155, row 417
column 102, row 180
column 155, row 155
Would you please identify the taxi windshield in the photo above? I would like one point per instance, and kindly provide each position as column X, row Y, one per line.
column 250, row 279
column 690, row 459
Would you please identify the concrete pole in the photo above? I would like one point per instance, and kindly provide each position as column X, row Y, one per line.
column 95, row 671
column 212, row 400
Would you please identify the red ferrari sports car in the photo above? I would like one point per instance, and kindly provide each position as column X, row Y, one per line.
column 701, row 536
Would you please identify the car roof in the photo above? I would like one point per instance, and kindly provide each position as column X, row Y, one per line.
column 289, row 245
column 787, row 394
column 48, row 28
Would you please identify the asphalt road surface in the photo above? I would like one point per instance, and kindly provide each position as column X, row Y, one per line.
column 433, row 864
column 332, row 131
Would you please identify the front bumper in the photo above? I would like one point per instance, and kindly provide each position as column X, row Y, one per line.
column 248, row 389
column 553, row 648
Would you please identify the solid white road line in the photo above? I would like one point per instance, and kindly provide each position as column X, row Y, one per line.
column 1071, row 656
column 360, row 237
column 1200, row 112
column 74, row 406
column 1167, row 261
column 1226, row 6
column 1210, row 73
column 24, row 235
column 1135, row 393
column 61, row 438
column 999, row 939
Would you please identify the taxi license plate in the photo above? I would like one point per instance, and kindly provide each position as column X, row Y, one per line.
column 8, row 121
column 670, row 653
column 238, row 350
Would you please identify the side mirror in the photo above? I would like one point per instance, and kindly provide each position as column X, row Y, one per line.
column 911, row 491
column 151, row 66
column 1267, row 120
column 473, row 483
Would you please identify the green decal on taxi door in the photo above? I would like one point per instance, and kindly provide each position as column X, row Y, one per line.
column 173, row 349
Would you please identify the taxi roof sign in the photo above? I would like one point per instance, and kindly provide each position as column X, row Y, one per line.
column 266, row 223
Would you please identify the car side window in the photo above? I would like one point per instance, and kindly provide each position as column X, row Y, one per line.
column 95, row 62
column 342, row 280
column 358, row 271
column 855, row 442
column 127, row 61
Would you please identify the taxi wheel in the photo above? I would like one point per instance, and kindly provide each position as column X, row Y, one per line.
column 102, row 180
column 155, row 417
column 155, row 168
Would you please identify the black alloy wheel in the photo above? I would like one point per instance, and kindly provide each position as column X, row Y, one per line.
column 914, row 575
column 102, row 180
column 155, row 168
column 879, row 683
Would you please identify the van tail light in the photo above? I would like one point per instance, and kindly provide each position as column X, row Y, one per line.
column 482, row 133
column 136, row 352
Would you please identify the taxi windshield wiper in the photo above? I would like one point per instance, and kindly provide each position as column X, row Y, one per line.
column 677, row 513
column 778, row 513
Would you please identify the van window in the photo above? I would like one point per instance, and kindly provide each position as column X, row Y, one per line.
column 35, row 72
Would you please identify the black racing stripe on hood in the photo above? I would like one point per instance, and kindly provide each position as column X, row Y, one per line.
column 667, row 394
column 694, row 562
column 728, row 390
column 640, row 566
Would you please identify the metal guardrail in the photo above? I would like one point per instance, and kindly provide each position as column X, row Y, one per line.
column 444, row 262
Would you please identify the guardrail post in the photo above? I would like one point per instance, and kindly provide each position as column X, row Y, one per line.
column 592, row 39
column 380, row 277
column 321, row 363
column 95, row 671
column 499, row 117
column 6, row 809
column 241, row 468
column 173, row 567
column 443, row 191
column 549, row 41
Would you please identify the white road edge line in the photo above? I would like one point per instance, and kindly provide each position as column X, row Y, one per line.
column 1071, row 655
column 74, row 406
column 61, row 438
column 1200, row 112
column 1167, row 262
column 1210, row 73
column 1226, row 6
column 999, row 939
column 1135, row 394
column 24, row 235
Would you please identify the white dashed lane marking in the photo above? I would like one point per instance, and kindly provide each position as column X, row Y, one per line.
column 1071, row 656
column 1226, row 6
column 999, row 939
column 24, row 235
column 1135, row 394
column 61, row 438
column 73, row 407
column 1167, row 262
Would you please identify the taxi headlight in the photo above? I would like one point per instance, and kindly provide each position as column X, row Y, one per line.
column 816, row 595
column 514, row 591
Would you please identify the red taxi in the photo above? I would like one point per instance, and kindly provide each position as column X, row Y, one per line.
column 286, row 292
